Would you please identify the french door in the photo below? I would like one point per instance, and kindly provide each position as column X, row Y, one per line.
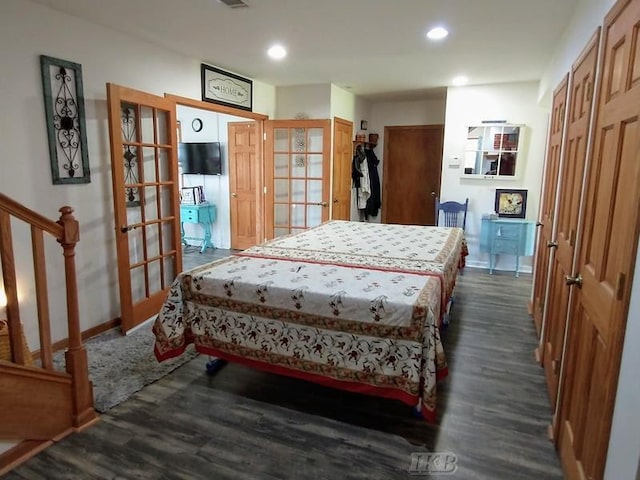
column 297, row 159
column 143, row 137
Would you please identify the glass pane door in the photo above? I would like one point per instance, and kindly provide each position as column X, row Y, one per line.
column 299, row 175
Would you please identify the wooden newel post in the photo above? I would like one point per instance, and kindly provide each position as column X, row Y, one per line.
column 76, row 355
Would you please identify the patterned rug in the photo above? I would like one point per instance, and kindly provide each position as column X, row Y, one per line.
column 121, row 365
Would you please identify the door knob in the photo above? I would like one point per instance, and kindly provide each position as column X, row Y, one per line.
column 539, row 224
column 433, row 194
column 577, row 280
column 234, row 194
column 126, row 228
column 552, row 244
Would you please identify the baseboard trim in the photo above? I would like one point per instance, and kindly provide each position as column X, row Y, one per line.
column 21, row 453
column 85, row 335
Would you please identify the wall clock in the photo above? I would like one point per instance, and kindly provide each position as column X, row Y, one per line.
column 196, row 124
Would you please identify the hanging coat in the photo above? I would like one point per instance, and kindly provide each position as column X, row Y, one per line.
column 360, row 177
column 373, row 202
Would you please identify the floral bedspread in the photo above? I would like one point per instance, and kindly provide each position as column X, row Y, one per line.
column 349, row 326
column 407, row 248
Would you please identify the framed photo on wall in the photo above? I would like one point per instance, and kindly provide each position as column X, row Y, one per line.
column 511, row 203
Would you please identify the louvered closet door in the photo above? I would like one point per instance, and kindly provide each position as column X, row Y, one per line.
column 568, row 208
column 548, row 203
column 607, row 252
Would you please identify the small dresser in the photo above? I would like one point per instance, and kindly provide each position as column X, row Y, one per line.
column 507, row 236
column 203, row 214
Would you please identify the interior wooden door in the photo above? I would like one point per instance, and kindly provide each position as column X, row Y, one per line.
column 341, row 177
column 243, row 176
column 297, row 160
column 412, row 168
column 544, row 249
column 144, row 167
column 572, row 169
column 607, row 254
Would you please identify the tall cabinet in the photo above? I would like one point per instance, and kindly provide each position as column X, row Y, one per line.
column 582, row 290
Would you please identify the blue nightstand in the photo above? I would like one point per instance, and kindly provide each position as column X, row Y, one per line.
column 507, row 236
column 203, row 214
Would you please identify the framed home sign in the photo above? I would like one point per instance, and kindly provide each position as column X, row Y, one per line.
column 65, row 117
column 226, row 88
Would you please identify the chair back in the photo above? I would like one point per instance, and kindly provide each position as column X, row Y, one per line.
column 454, row 214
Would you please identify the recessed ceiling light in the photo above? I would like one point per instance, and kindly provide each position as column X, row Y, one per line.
column 437, row 33
column 459, row 81
column 277, row 52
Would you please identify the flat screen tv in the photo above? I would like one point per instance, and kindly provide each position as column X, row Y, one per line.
column 204, row 158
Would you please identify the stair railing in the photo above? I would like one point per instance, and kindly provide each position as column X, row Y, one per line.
column 66, row 232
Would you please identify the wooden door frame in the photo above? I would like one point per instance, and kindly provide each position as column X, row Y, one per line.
column 347, row 123
column 247, row 124
column 565, row 83
column 259, row 119
column 268, row 165
column 385, row 158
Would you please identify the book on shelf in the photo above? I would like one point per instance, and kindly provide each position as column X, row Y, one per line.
column 192, row 195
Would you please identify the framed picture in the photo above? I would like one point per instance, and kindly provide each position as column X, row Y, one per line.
column 65, row 117
column 226, row 88
column 511, row 203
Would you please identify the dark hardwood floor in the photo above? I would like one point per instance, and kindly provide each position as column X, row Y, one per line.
column 245, row 424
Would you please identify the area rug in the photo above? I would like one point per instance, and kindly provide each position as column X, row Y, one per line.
column 121, row 365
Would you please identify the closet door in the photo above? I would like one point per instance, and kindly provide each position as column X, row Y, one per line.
column 570, row 187
column 607, row 252
column 548, row 203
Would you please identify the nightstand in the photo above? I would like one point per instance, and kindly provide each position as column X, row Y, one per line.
column 204, row 215
column 507, row 236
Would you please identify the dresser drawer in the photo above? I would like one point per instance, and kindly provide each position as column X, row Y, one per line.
column 509, row 231
column 506, row 245
column 189, row 214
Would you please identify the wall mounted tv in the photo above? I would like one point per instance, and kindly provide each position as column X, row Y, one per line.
column 200, row 157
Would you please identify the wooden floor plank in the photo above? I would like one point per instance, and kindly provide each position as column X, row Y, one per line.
column 243, row 424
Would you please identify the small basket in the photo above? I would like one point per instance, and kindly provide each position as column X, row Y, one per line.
column 5, row 345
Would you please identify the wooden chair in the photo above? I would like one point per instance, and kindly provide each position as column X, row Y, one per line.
column 454, row 214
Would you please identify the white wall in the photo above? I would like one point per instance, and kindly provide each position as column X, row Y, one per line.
column 106, row 56
column 313, row 101
column 515, row 103
column 343, row 104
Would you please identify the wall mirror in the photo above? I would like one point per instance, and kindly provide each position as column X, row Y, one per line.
column 491, row 150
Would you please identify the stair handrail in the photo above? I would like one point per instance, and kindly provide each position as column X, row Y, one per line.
column 66, row 232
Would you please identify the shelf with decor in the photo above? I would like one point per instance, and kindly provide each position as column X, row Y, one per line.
column 492, row 151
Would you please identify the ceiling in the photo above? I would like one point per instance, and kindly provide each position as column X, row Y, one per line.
column 373, row 48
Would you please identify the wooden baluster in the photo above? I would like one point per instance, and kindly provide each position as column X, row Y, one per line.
column 42, row 297
column 10, row 289
column 76, row 355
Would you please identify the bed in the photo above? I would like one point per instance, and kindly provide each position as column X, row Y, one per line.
column 350, row 305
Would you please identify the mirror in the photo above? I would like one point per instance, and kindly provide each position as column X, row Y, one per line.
column 491, row 150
